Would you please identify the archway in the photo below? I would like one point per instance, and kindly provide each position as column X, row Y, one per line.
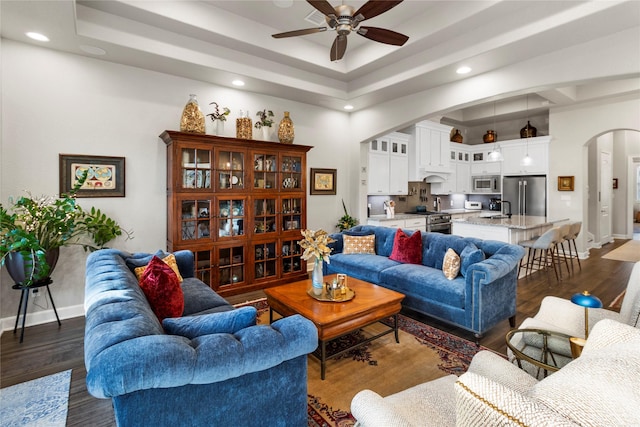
column 610, row 211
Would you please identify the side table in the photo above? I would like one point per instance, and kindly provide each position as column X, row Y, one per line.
column 548, row 351
column 24, row 299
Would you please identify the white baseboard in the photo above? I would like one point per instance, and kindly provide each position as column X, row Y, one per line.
column 40, row 317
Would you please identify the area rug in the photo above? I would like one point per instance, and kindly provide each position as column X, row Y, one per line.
column 630, row 251
column 37, row 403
column 384, row 366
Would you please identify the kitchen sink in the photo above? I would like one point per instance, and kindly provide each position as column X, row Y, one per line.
column 500, row 217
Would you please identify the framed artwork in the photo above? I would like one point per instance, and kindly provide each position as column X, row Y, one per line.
column 615, row 183
column 105, row 175
column 323, row 181
column 565, row 183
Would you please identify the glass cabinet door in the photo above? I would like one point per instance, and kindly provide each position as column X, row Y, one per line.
column 231, row 217
column 265, row 256
column 203, row 265
column 291, row 173
column 195, row 219
column 231, row 261
column 230, row 170
column 291, row 213
column 291, row 256
column 264, row 219
column 196, row 167
column 265, row 166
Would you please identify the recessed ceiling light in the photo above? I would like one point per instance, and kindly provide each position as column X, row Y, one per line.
column 283, row 3
column 37, row 36
column 463, row 70
column 93, row 50
column 348, row 107
column 237, row 83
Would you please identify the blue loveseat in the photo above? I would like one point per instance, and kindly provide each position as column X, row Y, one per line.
column 246, row 376
column 477, row 301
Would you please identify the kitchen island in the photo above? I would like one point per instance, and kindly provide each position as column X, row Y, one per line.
column 500, row 227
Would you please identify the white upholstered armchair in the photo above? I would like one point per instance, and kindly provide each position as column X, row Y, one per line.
column 597, row 389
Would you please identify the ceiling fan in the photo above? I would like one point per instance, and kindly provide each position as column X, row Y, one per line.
column 345, row 19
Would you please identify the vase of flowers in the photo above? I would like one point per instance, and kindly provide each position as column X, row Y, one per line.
column 264, row 123
column 218, row 117
column 316, row 248
column 34, row 228
column 346, row 221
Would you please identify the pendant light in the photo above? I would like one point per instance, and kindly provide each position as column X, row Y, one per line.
column 527, row 160
column 496, row 154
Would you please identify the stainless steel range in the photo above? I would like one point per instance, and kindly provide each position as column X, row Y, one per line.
column 436, row 221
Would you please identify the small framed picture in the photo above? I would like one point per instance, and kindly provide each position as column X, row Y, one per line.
column 565, row 183
column 105, row 175
column 323, row 181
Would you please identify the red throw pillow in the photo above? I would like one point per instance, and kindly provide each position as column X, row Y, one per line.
column 407, row 249
column 161, row 286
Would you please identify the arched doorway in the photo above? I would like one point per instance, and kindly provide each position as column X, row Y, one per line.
column 612, row 186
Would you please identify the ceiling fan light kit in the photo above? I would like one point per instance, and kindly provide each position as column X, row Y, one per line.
column 345, row 19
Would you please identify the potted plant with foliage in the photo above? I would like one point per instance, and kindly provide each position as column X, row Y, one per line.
column 33, row 229
column 346, row 221
column 265, row 122
column 218, row 117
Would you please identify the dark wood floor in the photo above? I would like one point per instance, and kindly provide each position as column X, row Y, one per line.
column 48, row 349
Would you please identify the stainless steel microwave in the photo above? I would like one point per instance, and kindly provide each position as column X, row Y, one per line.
column 486, row 184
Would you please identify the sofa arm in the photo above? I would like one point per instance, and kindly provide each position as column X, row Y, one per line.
column 371, row 410
column 480, row 401
column 163, row 361
column 490, row 365
column 569, row 317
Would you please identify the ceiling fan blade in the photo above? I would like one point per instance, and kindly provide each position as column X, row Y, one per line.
column 299, row 32
column 338, row 48
column 383, row 35
column 375, row 7
column 323, row 6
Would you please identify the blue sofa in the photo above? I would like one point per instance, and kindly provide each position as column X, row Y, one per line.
column 477, row 301
column 247, row 376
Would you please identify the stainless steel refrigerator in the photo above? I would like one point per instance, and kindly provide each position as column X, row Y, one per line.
column 527, row 194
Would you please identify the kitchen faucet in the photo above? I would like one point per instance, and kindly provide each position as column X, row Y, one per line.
column 509, row 212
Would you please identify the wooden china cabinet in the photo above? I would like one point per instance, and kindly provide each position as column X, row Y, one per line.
column 239, row 206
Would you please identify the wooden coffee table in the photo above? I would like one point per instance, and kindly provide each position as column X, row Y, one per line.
column 371, row 304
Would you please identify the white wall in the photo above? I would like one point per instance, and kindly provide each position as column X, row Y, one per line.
column 55, row 102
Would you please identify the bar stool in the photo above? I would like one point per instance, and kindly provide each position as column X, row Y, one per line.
column 547, row 244
column 565, row 233
column 571, row 237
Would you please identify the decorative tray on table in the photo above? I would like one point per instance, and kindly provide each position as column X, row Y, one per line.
column 337, row 295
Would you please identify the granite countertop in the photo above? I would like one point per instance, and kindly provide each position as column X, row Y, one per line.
column 399, row 216
column 470, row 211
column 522, row 222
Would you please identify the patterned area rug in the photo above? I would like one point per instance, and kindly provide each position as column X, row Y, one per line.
column 384, row 366
column 37, row 403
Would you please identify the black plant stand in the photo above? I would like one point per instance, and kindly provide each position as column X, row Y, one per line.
column 24, row 299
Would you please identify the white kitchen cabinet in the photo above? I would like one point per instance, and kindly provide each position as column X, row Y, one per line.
column 459, row 181
column 429, row 150
column 391, row 223
column 387, row 170
column 463, row 178
column 514, row 151
column 417, row 223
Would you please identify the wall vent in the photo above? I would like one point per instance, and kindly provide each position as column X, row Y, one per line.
column 316, row 17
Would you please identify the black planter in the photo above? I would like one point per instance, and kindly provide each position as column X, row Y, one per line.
column 20, row 272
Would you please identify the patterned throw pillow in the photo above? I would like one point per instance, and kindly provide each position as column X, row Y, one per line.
column 162, row 289
column 451, row 264
column 170, row 260
column 359, row 244
column 407, row 249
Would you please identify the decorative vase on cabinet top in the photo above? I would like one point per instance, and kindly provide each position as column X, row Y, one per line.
column 243, row 126
column 490, row 136
column 456, row 137
column 192, row 119
column 528, row 131
column 286, row 132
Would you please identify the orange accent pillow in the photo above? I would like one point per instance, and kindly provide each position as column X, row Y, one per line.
column 359, row 244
